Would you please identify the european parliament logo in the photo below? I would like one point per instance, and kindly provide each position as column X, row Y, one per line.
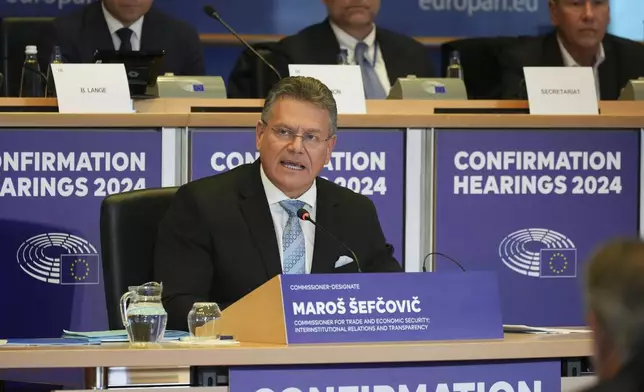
column 539, row 253
column 59, row 258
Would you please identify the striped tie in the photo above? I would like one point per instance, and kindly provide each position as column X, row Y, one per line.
column 293, row 239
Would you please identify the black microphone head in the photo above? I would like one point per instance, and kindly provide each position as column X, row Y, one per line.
column 210, row 11
column 303, row 214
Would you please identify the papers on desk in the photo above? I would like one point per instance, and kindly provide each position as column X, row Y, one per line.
column 117, row 336
column 46, row 342
column 72, row 338
column 541, row 330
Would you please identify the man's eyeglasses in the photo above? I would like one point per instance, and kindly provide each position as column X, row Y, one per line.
column 310, row 140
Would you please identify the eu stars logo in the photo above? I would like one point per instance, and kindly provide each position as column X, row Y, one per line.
column 79, row 269
column 558, row 263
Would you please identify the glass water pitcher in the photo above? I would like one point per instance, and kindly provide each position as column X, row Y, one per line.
column 144, row 317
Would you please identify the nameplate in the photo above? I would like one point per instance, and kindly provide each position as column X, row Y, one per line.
column 391, row 307
column 345, row 81
column 92, row 88
column 561, row 90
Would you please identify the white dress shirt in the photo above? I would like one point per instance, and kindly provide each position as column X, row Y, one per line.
column 280, row 216
column 569, row 61
column 348, row 43
column 114, row 25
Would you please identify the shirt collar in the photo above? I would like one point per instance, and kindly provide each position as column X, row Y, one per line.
column 274, row 195
column 570, row 62
column 348, row 42
column 114, row 24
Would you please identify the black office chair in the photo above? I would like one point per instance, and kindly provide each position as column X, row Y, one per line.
column 128, row 225
column 251, row 78
column 480, row 59
column 15, row 35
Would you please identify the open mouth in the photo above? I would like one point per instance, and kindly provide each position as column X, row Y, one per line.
column 292, row 165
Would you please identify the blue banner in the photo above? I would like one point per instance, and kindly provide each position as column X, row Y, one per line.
column 370, row 162
column 52, row 183
column 458, row 18
column 367, row 308
column 533, row 205
column 524, row 376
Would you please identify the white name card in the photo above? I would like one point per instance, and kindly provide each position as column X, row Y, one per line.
column 344, row 81
column 92, row 88
column 561, row 90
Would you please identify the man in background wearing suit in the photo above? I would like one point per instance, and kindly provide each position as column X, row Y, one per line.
column 349, row 31
column 615, row 300
column 579, row 39
column 127, row 25
column 227, row 234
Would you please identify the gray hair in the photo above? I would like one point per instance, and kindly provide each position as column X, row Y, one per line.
column 615, row 294
column 304, row 89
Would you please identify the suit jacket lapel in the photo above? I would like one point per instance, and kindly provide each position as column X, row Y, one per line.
column 326, row 49
column 324, row 254
column 551, row 53
column 608, row 81
column 259, row 220
column 394, row 65
column 99, row 33
column 148, row 35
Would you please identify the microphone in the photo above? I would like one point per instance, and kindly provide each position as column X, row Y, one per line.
column 445, row 256
column 211, row 12
column 306, row 216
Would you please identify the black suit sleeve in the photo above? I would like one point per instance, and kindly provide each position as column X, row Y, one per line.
column 511, row 69
column 193, row 63
column 379, row 257
column 183, row 258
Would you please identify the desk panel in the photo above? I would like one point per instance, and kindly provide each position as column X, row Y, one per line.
column 533, row 205
column 52, row 183
column 367, row 161
column 529, row 375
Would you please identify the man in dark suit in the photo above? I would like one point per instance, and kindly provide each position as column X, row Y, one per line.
column 127, row 25
column 615, row 300
column 579, row 39
column 227, row 234
column 348, row 35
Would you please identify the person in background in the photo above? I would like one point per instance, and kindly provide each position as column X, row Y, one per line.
column 348, row 32
column 227, row 234
column 579, row 39
column 126, row 25
column 615, row 305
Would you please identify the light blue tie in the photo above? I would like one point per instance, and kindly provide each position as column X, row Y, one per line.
column 372, row 87
column 293, row 239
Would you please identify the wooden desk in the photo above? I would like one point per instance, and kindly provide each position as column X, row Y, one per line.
column 514, row 346
column 170, row 364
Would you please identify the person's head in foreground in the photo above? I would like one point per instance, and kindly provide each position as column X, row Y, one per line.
column 615, row 300
column 296, row 133
column 581, row 26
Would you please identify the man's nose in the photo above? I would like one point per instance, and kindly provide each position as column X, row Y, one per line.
column 588, row 11
column 296, row 145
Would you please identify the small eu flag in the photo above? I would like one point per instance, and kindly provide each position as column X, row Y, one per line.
column 79, row 269
column 558, row 263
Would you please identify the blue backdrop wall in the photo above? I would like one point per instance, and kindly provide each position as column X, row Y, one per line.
column 431, row 18
column 437, row 18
